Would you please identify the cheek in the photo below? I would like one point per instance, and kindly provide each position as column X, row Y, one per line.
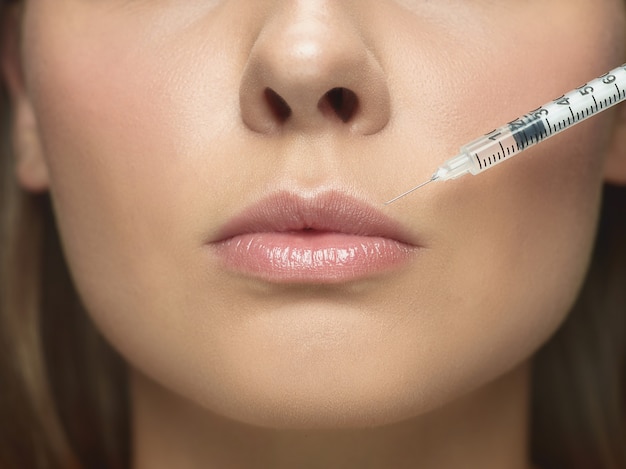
column 512, row 253
column 533, row 219
column 526, row 231
column 124, row 119
column 515, row 241
column 124, row 129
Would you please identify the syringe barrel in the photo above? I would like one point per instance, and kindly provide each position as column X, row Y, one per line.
column 542, row 123
column 483, row 153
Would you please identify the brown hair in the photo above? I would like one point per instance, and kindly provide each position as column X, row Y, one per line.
column 63, row 390
column 579, row 379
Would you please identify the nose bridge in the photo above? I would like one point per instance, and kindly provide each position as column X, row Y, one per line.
column 309, row 68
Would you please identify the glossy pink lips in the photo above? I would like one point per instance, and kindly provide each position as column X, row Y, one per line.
column 329, row 238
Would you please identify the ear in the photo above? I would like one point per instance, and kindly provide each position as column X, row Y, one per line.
column 615, row 169
column 31, row 167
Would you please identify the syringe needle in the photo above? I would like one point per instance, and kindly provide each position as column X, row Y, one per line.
column 410, row 191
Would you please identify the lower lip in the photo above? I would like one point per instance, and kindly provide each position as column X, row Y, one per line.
column 316, row 257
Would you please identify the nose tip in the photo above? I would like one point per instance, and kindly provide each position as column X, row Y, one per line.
column 309, row 71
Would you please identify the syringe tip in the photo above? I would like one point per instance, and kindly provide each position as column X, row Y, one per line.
column 411, row 190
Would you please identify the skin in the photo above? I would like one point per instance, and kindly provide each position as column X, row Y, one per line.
column 142, row 120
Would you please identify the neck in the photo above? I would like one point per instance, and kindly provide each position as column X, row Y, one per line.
column 486, row 429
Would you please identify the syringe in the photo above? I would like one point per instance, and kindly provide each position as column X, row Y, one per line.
column 550, row 119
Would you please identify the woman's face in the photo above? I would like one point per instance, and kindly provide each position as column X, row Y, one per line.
column 222, row 213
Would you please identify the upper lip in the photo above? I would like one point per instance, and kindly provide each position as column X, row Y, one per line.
column 326, row 212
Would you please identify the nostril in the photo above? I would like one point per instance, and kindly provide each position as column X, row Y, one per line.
column 341, row 101
column 278, row 105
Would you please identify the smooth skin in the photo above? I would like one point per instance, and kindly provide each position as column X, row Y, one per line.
column 148, row 124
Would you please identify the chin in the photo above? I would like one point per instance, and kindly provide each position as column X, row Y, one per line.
column 320, row 402
column 318, row 412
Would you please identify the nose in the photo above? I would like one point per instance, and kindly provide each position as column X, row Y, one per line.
column 309, row 70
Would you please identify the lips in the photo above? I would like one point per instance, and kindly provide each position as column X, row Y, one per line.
column 329, row 238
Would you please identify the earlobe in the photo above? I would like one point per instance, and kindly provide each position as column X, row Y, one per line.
column 31, row 167
column 615, row 168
